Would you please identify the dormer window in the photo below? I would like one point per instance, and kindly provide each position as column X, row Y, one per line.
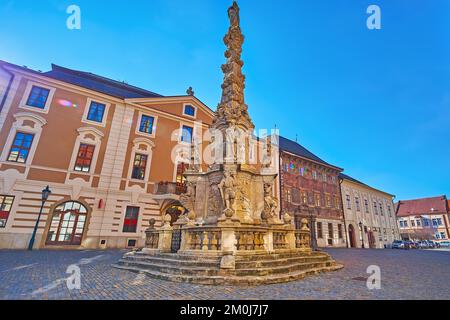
column 189, row 110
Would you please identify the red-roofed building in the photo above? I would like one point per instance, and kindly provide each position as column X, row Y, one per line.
column 426, row 218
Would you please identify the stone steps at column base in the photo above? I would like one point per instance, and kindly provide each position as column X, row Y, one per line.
column 232, row 280
column 200, row 269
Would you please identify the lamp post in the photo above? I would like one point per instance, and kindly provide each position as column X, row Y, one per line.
column 362, row 234
column 45, row 193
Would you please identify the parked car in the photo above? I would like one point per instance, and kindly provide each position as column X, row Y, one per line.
column 410, row 244
column 445, row 244
column 398, row 244
column 424, row 244
column 431, row 244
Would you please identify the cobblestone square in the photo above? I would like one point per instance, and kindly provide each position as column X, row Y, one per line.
column 412, row 274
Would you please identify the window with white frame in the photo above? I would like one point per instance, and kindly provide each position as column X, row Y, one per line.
column 86, row 149
column 20, row 147
column 146, row 124
column 23, row 138
column 96, row 112
column 37, row 97
column 189, row 110
column 6, row 203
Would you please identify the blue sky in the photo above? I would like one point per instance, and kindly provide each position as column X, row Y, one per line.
column 375, row 102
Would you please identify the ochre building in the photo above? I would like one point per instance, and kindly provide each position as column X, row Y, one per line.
column 104, row 147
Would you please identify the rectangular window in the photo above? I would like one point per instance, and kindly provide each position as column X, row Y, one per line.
column 443, row 236
column 317, row 199
column 146, row 125
column 381, row 209
column 295, row 196
column 328, row 201
column 84, row 158
column 187, row 134
column 375, row 208
column 366, row 205
column 405, row 222
column 139, row 165
column 21, row 147
column 401, row 224
column 314, row 175
column 288, row 195
column 413, row 224
column 389, row 211
column 304, row 197
column 435, row 223
column 96, row 111
column 319, row 230
column 330, row 231
column 6, row 203
column 349, row 202
column 38, row 97
column 358, row 207
column 131, row 219
column 439, row 221
column 189, row 110
column 426, row 222
column 340, row 233
column 418, row 222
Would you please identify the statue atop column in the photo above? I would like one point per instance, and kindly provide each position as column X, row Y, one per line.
column 232, row 109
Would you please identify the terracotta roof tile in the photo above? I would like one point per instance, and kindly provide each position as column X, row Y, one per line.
column 422, row 206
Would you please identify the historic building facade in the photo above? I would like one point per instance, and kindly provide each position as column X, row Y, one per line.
column 105, row 148
column 310, row 189
column 369, row 215
column 424, row 219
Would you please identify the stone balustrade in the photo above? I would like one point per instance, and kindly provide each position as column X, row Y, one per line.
column 204, row 239
column 228, row 239
column 302, row 239
column 280, row 240
column 152, row 239
column 249, row 240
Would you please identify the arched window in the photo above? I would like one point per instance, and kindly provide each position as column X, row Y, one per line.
column 67, row 225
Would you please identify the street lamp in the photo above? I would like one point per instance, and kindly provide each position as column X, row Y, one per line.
column 45, row 193
column 362, row 234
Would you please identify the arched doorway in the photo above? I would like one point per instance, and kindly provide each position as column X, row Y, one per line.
column 175, row 210
column 351, row 236
column 67, row 224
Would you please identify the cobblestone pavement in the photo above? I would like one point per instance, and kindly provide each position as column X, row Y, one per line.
column 413, row 274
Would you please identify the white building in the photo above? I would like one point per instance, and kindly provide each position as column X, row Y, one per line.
column 369, row 215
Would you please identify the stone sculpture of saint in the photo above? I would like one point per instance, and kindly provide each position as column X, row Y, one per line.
column 227, row 188
column 270, row 204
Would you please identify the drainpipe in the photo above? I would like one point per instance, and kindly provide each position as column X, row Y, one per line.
column 343, row 212
column 279, row 181
column 8, row 88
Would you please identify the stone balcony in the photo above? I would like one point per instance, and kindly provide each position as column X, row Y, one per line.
column 168, row 190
